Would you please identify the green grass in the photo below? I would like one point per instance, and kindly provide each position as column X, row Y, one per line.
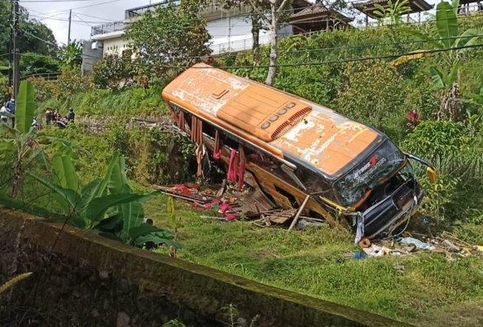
column 318, row 262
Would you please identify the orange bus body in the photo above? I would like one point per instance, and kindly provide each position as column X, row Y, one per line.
column 298, row 133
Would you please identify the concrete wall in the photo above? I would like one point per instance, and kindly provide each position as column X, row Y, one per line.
column 89, row 57
column 115, row 46
column 200, row 289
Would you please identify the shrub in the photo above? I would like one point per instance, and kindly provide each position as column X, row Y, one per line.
column 4, row 89
column 37, row 64
column 374, row 95
column 113, row 72
column 456, row 150
column 70, row 82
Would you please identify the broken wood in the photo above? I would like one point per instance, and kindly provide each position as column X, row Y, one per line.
column 299, row 212
column 281, row 217
column 182, row 197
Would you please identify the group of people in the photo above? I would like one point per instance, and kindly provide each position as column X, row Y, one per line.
column 7, row 112
column 55, row 118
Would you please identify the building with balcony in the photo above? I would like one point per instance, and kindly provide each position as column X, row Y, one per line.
column 230, row 29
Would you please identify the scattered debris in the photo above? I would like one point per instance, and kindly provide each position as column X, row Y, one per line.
column 419, row 244
column 228, row 203
column 447, row 244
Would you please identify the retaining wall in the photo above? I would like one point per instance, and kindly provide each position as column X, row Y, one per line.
column 195, row 292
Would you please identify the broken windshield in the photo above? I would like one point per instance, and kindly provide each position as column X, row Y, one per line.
column 381, row 163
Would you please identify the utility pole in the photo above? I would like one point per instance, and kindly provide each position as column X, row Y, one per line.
column 15, row 52
column 70, row 22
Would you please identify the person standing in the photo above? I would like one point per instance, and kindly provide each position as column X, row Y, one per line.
column 70, row 116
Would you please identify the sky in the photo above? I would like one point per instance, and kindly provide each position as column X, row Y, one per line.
column 85, row 13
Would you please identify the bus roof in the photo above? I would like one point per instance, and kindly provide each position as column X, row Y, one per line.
column 277, row 122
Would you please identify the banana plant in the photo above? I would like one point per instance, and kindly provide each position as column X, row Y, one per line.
column 453, row 44
column 107, row 205
column 19, row 145
column 392, row 12
column 448, row 34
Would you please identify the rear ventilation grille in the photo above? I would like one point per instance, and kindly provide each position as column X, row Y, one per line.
column 289, row 123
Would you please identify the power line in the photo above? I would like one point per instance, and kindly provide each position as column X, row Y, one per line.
column 65, row 19
column 95, row 17
column 38, row 38
column 392, row 56
column 89, row 6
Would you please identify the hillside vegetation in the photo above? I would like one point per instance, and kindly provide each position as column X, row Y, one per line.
column 355, row 73
column 333, row 69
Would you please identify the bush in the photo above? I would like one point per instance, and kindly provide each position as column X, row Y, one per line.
column 457, row 152
column 374, row 95
column 37, row 64
column 436, row 139
column 113, row 72
column 155, row 156
column 68, row 83
column 4, row 89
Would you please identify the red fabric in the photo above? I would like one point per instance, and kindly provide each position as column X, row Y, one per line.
column 217, row 155
column 231, row 217
column 183, row 190
column 212, row 204
column 217, row 148
column 224, row 207
column 241, row 169
column 232, row 166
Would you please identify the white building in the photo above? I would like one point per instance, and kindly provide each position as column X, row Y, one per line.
column 230, row 30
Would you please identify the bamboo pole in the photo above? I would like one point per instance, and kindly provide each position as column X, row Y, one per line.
column 299, row 212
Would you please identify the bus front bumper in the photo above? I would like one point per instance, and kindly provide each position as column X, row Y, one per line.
column 383, row 218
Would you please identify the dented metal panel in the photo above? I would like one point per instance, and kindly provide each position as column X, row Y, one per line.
column 322, row 138
column 326, row 140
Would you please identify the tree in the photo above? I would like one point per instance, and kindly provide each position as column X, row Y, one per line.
column 37, row 64
column 71, row 55
column 18, row 145
column 36, row 37
column 113, row 72
column 108, row 205
column 170, row 37
column 255, row 14
column 273, row 19
column 5, row 30
column 33, row 36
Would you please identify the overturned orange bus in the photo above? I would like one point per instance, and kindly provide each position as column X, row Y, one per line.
column 302, row 155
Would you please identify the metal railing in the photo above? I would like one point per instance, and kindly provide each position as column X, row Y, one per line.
column 139, row 11
column 108, row 28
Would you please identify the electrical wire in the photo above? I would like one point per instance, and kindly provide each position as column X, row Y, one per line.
column 321, row 63
column 38, row 38
column 370, row 58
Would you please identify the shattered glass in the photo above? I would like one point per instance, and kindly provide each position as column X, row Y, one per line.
column 383, row 162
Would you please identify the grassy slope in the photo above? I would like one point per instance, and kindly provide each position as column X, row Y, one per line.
column 420, row 289
column 319, row 263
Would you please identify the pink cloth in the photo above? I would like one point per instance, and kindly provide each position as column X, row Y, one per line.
column 232, row 166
